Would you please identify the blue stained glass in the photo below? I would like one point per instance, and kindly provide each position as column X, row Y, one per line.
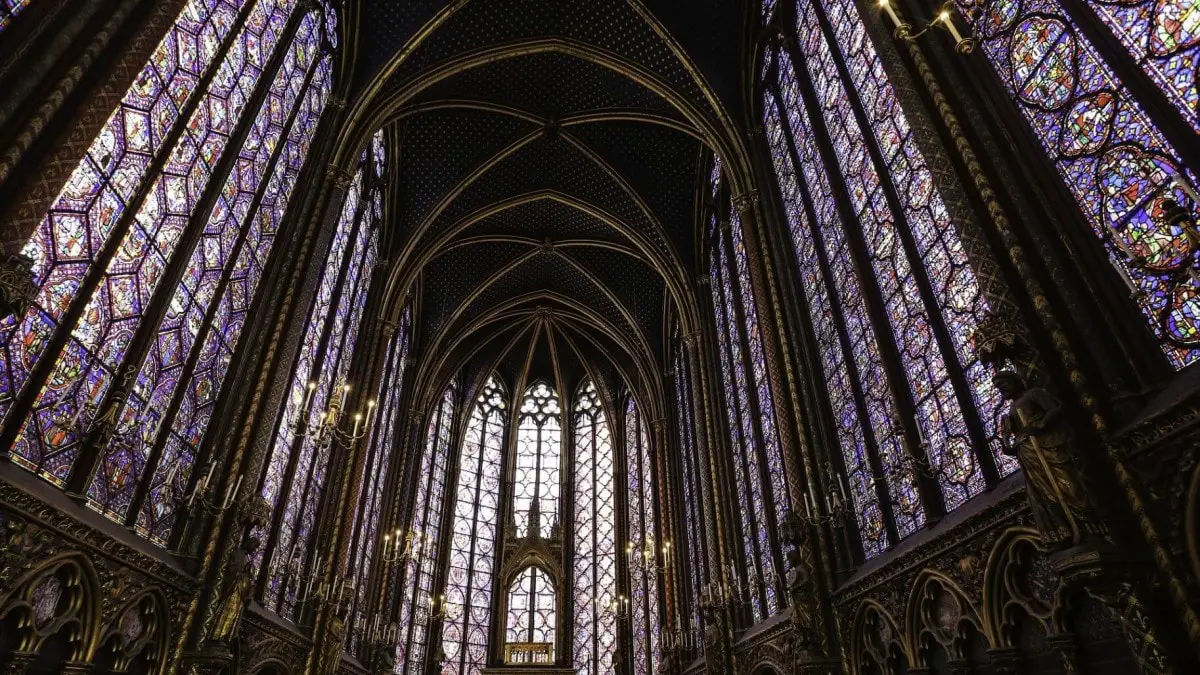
column 826, row 238
column 469, row 579
column 692, row 471
column 595, row 562
column 9, row 9
column 539, row 460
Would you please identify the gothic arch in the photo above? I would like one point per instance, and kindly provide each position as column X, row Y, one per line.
column 138, row 630
column 60, row 595
column 1017, row 582
column 935, row 614
column 875, row 638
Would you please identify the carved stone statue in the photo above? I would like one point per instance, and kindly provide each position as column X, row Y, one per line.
column 330, row 656
column 238, row 583
column 1042, row 445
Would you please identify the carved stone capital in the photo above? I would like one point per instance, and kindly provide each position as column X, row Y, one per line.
column 341, row 177
column 17, row 289
column 998, row 338
column 744, row 203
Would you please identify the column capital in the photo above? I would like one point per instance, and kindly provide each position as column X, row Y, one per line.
column 745, row 201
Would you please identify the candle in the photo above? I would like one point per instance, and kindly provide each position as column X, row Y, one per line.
column 212, row 466
column 843, row 487
column 807, row 508
column 887, row 8
column 1186, row 187
column 312, row 388
column 948, row 22
column 357, row 422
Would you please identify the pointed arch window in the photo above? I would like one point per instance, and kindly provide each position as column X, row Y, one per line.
column 892, row 300
column 757, row 464
column 417, row 600
column 148, row 260
column 595, row 535
column 1121, row 155
column 368, row 511
column 473, row 538
column 539, row 458
column 643, row 580
column 295, row 476
column 691, row 472
column 532, row 607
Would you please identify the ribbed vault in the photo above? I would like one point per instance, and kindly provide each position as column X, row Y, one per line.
column 549, row 174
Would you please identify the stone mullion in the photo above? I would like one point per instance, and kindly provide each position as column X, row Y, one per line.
column 874, row 461
column 303, row 413
column 97, row 269
column 25, row 201
column 791, row 429
column 246, row 438
column 458, row 435
column 199, row 340
column 97, row 437
column 927, row 487
column 666, row 520
column 964, row 395
column 1079, row 381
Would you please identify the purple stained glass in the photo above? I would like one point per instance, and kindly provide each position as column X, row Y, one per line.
column 956, row 291
column 825, row 239
column 9, row 9
column 539, row 460
column 473, row 539
column 417, row 599
column 1163, row 37
column 1115, row 162
column 643, row 579
column 595, row 563
column 217, row 274
column 86, row 368
column 82, row 218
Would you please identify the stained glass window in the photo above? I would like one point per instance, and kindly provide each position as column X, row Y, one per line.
column 136, row 279
column 897, row 271
column 745, row 426
column 595, row 562
column 641, row 547
column 369, row 508
column 295, row 474
column 417, row 600
column 691, row 473
column 1113, row 156
column 9, row 9
column 539, row 457
column 532, row 608
column 473, row 539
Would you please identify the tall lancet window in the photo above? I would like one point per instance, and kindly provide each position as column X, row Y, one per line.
column 1121, row 155
column 691, row 472
column 149, row 258
column 372, row 498
column 417, row 600
column 295, row 477
column 595, row 563
column 643, row 578
column 757, row 464
column 539, row 457
column 473, row 539
column 891, row 297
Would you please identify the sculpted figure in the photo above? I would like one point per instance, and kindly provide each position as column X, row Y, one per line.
column 1041, row 444
column 238, row 584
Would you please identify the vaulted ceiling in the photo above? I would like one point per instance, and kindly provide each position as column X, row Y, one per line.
column 550, row 157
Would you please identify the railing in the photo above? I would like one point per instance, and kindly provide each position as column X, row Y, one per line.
column 524, row 653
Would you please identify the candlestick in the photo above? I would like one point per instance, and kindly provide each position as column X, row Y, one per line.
column 887, row 8
column 948, row 22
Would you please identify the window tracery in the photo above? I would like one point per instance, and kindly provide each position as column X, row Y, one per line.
column 532, row 607
column 538, row 463
column 595, row 536
column 643, row 579
column 148, row 260
column 473, row 538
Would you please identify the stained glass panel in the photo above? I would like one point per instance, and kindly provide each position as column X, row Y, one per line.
column 1115, row 162
column 690, row 462
column 595, row 563
column 531, row 607
column 9, row 9
column 473, row 540
column 417, row 600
